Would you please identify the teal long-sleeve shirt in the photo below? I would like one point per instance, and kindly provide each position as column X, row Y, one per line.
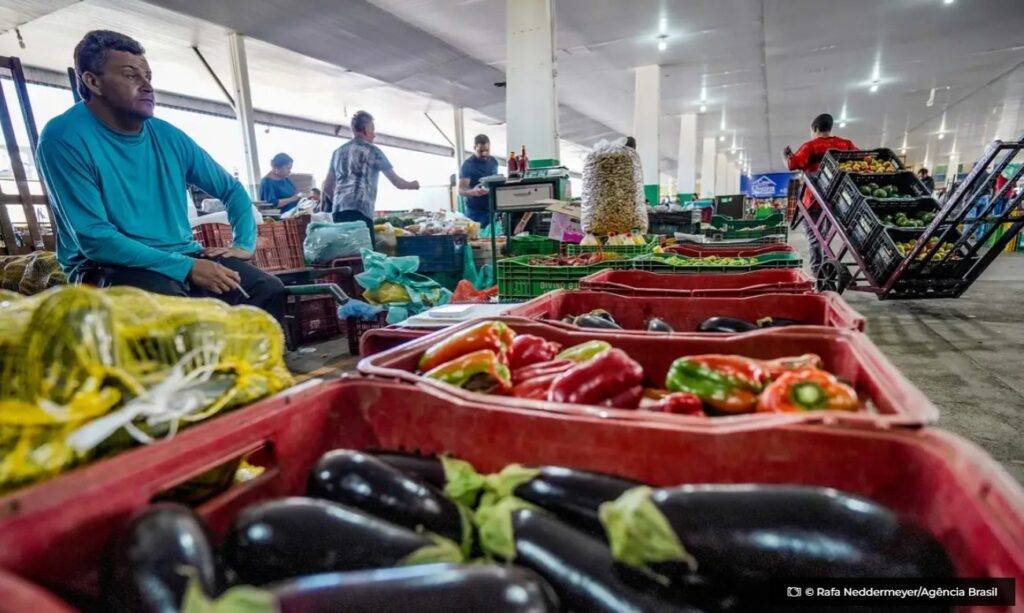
column 120, row 199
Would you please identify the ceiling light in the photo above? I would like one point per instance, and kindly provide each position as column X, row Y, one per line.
column 732, row 150
column 721, row 138
column 662, row 45
column 663, row 25
column 941, row 135
column 873, row 88
column 842, row 124
column 703, row 108
column 947, row 1
column 931, row 98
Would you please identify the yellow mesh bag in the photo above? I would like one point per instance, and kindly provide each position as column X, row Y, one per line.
column 85, row 371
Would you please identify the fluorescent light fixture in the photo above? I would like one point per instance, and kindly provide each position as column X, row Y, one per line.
column 931, row 98
column 903, row 151
column 842, row 124
column 703, row 108
column 873, row 88
column 947, row 1
column 721, row 138
column 941, row 135
column 662, row 45
column 663, row 25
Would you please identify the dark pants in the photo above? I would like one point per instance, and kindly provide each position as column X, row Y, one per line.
column 813, row 246
column 265, row 291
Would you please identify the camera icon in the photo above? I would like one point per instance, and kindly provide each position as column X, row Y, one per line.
column 794, row 592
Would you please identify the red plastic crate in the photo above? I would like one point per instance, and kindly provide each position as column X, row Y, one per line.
column 377, row 340
column 20, row 596
column 278, row 243
column 948, row 486
column 697, row 251
column 686, row 313
column 645, row 283
column 316, row 318
column 892, row 400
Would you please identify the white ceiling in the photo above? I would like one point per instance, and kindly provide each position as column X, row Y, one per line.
column 769, row 65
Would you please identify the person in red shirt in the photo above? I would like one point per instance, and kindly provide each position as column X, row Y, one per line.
column 807, row 158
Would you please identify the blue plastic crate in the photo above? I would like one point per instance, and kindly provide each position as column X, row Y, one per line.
column 437, row 253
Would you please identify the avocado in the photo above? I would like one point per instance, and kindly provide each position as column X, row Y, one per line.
column 873, row 186
column 881, row 193
column 866, row 190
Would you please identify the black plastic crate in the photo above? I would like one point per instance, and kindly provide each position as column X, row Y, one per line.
column 437, row 253
column 912, row 207
column 863, row 227
column 685, row 222
column 881, row 258
column 851, row 183
column 829, row 174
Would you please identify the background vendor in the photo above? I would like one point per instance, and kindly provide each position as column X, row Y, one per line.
column 277, row 187
column 477, row 166
column 118, row 177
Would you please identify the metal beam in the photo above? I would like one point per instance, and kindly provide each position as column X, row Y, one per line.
column 460, row 139
column 213, row 74
column 51, row 78
column 243, row 108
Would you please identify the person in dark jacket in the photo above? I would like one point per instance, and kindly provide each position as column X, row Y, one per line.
column 927, row 179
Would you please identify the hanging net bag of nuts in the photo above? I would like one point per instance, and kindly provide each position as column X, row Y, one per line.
column 613, row 190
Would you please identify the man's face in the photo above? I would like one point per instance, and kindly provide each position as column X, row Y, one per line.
column 125, row 84
column 483, row 150
column 369, row 133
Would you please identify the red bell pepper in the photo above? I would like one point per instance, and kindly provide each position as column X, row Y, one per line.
column 536, row 388
column 540, row 369
column 490, row 335
column 601, row 378
column 528, row 349
column 627, row 399
column 807, row 390
column 776, row 367
column 679, row 403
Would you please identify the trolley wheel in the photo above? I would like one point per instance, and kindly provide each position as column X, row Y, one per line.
column 832, row 276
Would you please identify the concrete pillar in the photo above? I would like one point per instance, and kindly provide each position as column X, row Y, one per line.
column 721, row 175
column 733, row 181
column 646, row 111
column 531, row 103
column 687, row 172
column 708, row 167
column 243, row 111
column 460, row 139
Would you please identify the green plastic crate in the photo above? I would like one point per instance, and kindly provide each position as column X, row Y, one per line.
column 533, row 245
column 625, row 250
column 747, row 233
column 658, row 263
column 722, row 221
column 518, row 280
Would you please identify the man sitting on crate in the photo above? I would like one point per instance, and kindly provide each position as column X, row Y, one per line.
column 117, row 179
column 807, row 158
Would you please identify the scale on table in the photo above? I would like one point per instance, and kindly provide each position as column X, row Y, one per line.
column 532, row 191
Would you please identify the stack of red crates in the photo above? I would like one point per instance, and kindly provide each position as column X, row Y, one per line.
column 278, row 243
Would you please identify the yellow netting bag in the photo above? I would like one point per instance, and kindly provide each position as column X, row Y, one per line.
column 85, row 371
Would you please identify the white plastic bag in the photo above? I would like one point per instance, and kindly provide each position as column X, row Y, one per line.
column 613, row 190
column 328, row 241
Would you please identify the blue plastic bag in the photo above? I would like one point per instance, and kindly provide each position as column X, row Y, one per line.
column 326, row 242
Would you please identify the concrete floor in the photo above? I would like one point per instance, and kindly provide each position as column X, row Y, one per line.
column 966, row 354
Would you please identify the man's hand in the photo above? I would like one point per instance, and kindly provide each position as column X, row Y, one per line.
column 478, row 191
column 412, row 185
column 787, row 152
column 213, row 277
column 228, row 252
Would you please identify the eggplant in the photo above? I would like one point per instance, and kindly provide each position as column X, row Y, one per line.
column 741, row 535
column 581, row 569
column 725, row 324
column 425, row 468
column 154, row 558
column 593, row 321
column 603, row 314
column 656, row 324
column 430, row 588
column 574, row 495
column 368, row 483
column 304, row 536
column 777, row 322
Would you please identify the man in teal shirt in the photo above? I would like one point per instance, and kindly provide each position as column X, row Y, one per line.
column 117, row 178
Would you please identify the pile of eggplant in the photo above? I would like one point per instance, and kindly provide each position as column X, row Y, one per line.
column 384, row 532
column 603, row 320
column 735, row 325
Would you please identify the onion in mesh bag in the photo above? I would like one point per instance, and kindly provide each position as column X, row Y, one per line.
column 613, row 190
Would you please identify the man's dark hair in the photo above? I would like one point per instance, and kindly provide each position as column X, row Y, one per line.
column 360, row 121
column 922, row 171
column 481, row 139
column 631, row 142
column 316, row 190
column 91, row 53
column 822, row 123
column 281, row 159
